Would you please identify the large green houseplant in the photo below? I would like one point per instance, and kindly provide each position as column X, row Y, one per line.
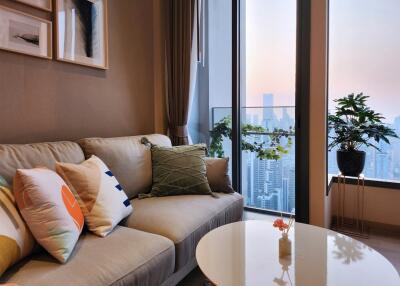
column 355, row 125
column 271, row 149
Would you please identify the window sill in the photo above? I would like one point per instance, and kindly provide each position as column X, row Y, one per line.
column 267, row 211
column 377, row 183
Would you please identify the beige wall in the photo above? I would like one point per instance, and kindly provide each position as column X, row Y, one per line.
column 319, row 203
column 160, row 41
column 42, row 100
column 381, row 204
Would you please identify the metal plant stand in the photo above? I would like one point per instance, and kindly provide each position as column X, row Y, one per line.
column 356, row 225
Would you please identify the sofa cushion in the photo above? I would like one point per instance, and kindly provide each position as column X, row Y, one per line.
column 127, row 158
column 178, row 170
column 218, row 175
column 50, row 210
column 102, row 199
column 16, row 241
column 184, row 219
column 125, row 257
column 28, row 156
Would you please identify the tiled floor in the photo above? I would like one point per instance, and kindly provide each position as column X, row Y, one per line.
column 387, row 243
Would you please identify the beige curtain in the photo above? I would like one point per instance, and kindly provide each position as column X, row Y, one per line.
column 182, row 19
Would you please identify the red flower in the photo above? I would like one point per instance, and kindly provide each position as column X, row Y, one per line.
column 279, row 223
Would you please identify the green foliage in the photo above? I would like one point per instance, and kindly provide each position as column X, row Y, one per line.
column 271, row 150
column 355, row 124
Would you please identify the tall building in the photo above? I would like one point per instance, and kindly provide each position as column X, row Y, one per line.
column 292, row 191
column 396, row 150
column 285, row 194
column 268, row 110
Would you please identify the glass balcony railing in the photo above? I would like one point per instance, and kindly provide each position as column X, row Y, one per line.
column 268, row 154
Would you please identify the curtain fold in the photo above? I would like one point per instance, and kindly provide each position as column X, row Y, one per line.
column 179, row 66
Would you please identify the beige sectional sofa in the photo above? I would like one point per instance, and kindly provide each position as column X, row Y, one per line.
column 154, row 246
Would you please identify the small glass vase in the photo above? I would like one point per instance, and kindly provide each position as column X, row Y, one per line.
column 285, row 246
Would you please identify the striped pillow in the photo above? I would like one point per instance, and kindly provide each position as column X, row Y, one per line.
column 102, row 199
column 16, row 241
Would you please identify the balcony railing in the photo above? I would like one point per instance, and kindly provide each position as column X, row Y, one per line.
column 267, row 184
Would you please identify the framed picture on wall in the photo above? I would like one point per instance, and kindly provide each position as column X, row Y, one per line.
column 82, row 35
column 41, row 4
column 26, row 34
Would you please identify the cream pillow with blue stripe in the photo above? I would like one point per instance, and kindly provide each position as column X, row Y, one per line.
column 102, row 199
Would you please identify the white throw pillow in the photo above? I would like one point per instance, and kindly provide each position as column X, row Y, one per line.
column 50, row 210
column 103, row 201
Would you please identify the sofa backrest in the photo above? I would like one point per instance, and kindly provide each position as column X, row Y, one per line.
column 27, row 156
column 127, row 158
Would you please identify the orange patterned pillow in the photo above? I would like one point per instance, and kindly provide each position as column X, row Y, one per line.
column 49, row 209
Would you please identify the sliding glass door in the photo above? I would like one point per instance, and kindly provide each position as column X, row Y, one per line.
column 249, row 78
column 267, row 90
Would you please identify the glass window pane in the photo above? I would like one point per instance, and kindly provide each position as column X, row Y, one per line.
column 364, row 57
column 268, row 66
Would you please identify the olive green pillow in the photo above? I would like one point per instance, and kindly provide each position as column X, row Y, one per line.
column 3, row 183
column 179, row 170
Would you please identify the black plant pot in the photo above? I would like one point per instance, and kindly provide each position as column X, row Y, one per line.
column 350, row 163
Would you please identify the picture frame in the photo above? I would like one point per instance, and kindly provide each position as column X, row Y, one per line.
column 25, row 34
column 79, row 40
column 45, row 5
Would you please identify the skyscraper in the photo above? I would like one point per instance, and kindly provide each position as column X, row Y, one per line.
column 268, row 110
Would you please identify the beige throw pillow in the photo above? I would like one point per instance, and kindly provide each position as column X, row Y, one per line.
column 103, row 201
column 217, row 175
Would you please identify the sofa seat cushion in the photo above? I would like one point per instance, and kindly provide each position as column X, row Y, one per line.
column 184, row 219
column 125, row 257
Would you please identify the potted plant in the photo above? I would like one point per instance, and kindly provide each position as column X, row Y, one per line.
column 355, row 125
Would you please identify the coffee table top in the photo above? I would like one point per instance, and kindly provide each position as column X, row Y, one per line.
column 247, row 253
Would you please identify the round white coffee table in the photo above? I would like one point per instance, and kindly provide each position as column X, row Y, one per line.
column 246, row 253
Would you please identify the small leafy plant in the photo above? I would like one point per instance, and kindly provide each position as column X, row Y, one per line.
column 355, row 124
column 271, row 150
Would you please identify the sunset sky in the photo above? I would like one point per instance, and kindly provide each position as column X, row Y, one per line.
column 270, row 51
column 364, row 51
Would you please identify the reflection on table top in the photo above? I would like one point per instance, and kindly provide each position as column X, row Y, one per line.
column 246, row 253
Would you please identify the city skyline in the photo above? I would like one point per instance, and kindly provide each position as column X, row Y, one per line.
column 270, row 184
column 362, row 58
